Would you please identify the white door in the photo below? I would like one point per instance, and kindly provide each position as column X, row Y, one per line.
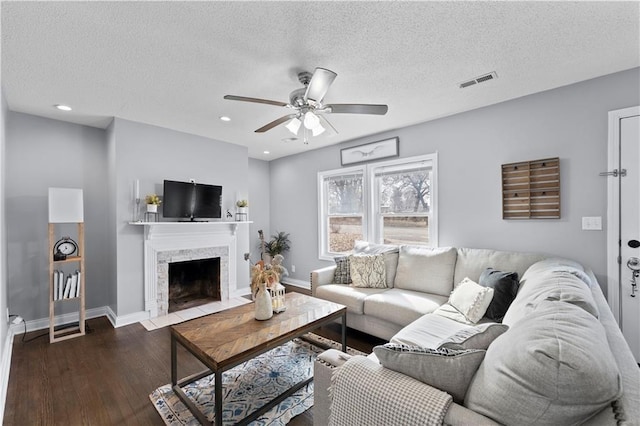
column 624, row 223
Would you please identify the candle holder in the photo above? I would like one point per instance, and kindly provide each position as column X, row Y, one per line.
column 278, row 298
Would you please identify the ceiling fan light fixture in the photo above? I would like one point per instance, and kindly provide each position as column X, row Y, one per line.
column 318, row 130
column 311, row 121
column 294, row 125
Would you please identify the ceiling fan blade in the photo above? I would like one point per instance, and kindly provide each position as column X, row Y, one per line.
column 254, row 100
column 357, row 109
column 319, row 84
column 275, row 123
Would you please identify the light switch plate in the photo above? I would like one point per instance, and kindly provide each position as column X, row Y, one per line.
column 592, row 223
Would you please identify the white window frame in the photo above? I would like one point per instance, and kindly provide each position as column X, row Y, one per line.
column 323, row 206
column 371, row 214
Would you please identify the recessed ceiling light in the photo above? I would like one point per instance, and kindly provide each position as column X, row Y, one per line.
column 266, row 152
column 225, row 118
column 289, row 139
column 63, row 107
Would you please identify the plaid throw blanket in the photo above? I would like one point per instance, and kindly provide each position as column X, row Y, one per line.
column 361, row 395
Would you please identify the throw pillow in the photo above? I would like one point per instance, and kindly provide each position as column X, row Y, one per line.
column 555, row 368
column 469, row 301
column 449, row 370
column 426, row 269
column 389, row 251
column 505, row 288
column 342, row 274
column 477, row 337
column 367, row 270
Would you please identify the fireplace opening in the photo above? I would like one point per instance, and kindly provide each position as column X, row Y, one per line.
column 193, row 283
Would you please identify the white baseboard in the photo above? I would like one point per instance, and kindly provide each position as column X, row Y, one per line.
column 297, row 283
column 5, row 368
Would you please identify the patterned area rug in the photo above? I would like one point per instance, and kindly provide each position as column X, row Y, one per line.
column 251, row 385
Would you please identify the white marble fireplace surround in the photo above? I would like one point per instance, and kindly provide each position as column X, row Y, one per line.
column 167, row 242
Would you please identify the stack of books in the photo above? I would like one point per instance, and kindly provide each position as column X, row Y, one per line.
column 68, row 288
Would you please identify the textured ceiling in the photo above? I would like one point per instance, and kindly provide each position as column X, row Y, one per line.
column 170, row 63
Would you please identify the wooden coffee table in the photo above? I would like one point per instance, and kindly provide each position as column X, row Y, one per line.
column 228, row 338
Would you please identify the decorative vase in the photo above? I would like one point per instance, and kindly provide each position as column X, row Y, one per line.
column 263, row 307
column 241, row 214
column 152, row 208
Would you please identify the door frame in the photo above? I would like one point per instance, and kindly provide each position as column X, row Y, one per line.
column 613, row 208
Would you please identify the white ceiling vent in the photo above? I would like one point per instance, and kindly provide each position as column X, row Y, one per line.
column 477, row 80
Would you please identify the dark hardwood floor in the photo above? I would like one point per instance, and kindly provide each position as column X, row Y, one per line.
column 105, row 377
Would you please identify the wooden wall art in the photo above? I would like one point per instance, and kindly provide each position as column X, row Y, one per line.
column 531, row 189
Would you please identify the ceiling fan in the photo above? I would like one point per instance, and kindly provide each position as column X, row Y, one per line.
column 308, row 107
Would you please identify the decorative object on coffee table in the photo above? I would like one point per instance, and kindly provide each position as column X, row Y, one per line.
column 264, row 308
column 278, row 298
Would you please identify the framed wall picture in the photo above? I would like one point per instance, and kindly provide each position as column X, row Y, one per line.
column 371, row 151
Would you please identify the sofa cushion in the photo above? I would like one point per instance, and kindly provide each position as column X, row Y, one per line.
column 390, row 253
column 367, row 270
column 505, row 288
column 449, row 370
column 352, row 297
column 401, row 306
column 426, row 269
column 552, row 283
column 342, row 273
column 472, row 262
column 554, row 368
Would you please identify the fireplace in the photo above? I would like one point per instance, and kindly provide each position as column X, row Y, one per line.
column 167, row 243
column 193, row 283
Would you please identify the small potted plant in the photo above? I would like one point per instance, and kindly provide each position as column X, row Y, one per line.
column 278, row 244
column 241, row 210
column 152, row 201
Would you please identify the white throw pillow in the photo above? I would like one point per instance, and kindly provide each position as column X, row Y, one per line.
column 368, row 270
column 469, row 301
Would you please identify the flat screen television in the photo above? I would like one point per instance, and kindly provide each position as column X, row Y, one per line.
column 189, row 200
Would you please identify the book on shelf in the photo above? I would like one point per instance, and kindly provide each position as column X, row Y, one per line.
column 74, row 284
column 55, row 285
column 79, row 277
column 67, row 287
column 60, row 284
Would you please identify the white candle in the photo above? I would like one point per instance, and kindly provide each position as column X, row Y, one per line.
column 137, row 189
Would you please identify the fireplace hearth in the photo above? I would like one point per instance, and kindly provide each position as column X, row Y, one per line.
column 193, row 283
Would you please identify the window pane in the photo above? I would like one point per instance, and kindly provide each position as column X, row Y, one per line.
column 344, row 194
column 405, row 230
column 404, row 191
column 343, row 232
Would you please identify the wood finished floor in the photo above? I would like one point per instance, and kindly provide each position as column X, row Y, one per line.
column 105, row 377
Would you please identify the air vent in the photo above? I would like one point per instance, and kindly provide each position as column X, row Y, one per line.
column 477, row 80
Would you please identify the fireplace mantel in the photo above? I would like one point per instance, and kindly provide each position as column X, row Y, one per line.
column 159, row 228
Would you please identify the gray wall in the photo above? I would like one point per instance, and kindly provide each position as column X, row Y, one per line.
column 43, row 153
column 259, row 196
column 3, row 228
column 569, row 122
column 152, row 154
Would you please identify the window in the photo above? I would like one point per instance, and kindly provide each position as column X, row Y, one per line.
column 390, row 202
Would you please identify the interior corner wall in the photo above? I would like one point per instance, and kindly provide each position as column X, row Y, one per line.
column 259, row 196
column 152, row 154
column 112, row 237
column 3, row 226
column 569, row 122
column 43, row 153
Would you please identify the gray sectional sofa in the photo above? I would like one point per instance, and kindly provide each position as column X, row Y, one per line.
column 557, row 357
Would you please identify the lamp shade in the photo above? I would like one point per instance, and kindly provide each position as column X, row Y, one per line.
column 66, row 205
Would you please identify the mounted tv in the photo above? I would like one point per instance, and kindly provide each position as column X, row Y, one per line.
column 189, row 200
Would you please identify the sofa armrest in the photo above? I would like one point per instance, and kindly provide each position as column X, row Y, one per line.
column 323, row 368
column 321, row 276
